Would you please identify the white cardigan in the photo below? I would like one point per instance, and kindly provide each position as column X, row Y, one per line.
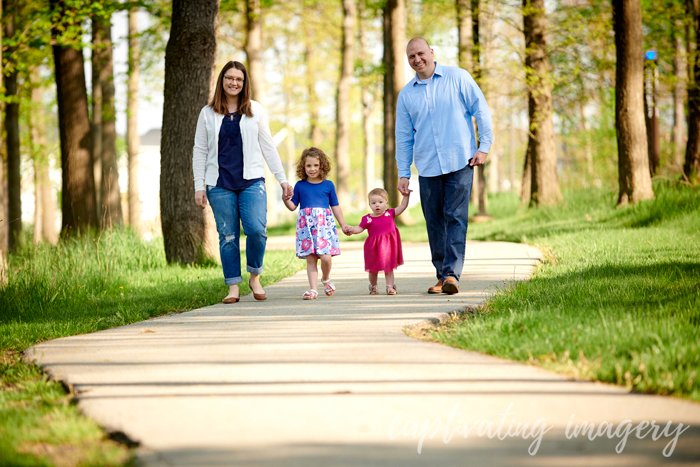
column 257, row 144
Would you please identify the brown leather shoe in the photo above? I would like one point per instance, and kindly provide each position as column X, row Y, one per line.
column 449, row 286
column 257, row 296
column 437, row 288
column 231, row 299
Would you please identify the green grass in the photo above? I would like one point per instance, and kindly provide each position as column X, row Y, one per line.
column 617, row 301
column 85, row 285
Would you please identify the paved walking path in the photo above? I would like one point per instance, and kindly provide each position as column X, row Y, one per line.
column 336, row 382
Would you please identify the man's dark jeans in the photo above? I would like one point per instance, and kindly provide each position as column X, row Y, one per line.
column 445, row 202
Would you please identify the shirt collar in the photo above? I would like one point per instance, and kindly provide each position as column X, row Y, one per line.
column 438, row 71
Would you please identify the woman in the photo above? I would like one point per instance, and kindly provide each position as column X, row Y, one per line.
column 232, row 139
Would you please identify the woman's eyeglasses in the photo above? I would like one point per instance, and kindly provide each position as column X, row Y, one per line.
column 229, row 79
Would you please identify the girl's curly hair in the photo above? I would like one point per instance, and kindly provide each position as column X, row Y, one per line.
column 322, row 159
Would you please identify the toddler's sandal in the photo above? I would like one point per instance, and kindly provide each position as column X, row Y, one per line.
column 329, row 287
column 373, row 289
column 310, row 295
column 391, row 289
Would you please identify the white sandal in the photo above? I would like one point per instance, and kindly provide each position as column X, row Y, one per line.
column 310, row 295
column 372, row 289
column 329, row 287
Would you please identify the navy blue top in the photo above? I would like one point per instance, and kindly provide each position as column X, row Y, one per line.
column 314, row 195
column 231, row 155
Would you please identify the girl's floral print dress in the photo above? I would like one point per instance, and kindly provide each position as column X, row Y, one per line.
column 317, row 233
column 316, row 229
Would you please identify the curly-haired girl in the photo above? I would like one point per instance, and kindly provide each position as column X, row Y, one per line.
column 317, row 235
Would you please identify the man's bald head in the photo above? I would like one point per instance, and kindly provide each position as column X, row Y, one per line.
column 420, row 57
column 416, row 40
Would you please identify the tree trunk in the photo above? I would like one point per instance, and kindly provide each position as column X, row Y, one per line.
column 691, row 168
column 394, row 49
column 310, row 60
column 368, row 106
column 679, row 96
column 109, row 191
column 478, row 197
column 493, row 163
column 97, row 62
column 3, row 207
column 342, row 144
column 368, row 119
column 587, row 144
column 390, row 169
column 189, row 58
column 133, row 141
column 210, row 244
column 476, row 47
column 651, row 114
column 511, row 150
column 633, row 157
column 45, row 210
column 290, row 145
column 3, row 196
column 14, row 181
column 253, row 48
column 398, row 56
column 545, row 183
column 527, row 176
column 78, row 186
column 464, row 34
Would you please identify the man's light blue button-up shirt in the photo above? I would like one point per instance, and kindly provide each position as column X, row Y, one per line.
column 434, row 126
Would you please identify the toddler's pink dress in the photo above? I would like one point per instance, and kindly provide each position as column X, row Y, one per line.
column 383, row 246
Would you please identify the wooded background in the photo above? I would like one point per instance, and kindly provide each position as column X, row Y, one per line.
column 577, row 97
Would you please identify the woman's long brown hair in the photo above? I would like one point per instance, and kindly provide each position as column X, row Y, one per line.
column 219, row 102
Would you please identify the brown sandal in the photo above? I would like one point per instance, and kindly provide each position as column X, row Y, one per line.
column 391, row 289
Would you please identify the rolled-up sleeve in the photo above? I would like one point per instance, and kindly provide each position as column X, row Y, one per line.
column 404, row 139
column 269, row 150
column 476, row 103
column 200, row 151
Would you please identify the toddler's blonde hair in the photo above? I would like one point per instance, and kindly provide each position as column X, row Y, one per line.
column 379, row 192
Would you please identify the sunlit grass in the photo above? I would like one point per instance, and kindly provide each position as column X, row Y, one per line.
column 621, row 301
column 84, row 285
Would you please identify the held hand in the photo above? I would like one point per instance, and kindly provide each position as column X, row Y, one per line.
column 287, row 191
column 200, row 197
column 478, row 159
column 347, row 230
column 403, row 186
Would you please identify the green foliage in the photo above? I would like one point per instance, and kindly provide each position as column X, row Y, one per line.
column 618, row 299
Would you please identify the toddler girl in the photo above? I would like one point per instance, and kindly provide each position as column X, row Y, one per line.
column 383, row 246
column 317, row 236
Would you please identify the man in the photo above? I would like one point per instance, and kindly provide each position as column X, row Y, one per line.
column 434, row 130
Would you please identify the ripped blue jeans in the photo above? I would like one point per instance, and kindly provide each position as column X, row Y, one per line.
column 231, row 209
